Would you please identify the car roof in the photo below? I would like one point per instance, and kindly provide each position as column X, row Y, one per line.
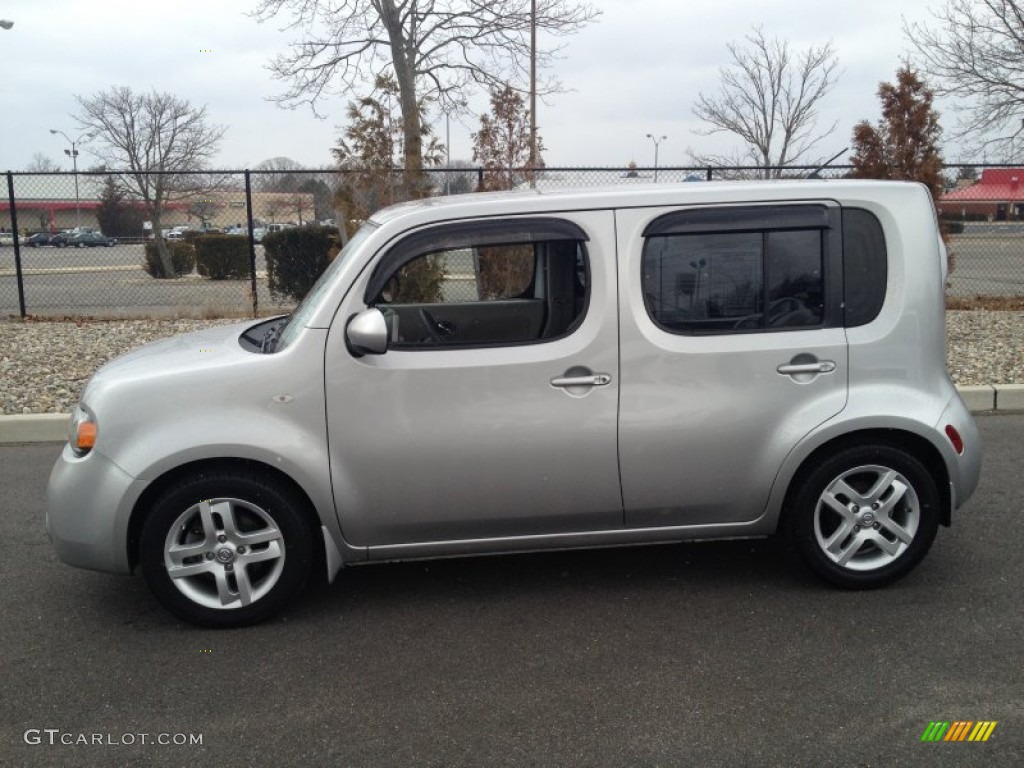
column 527, row 201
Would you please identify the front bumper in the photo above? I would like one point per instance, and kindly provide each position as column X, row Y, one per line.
column 87, row 514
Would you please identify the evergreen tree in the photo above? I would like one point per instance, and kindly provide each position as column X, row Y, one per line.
column 502, row 145
column 116, row 217
column 904, row 143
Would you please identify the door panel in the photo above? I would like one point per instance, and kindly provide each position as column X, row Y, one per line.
column 707, row 419
column 439, row 444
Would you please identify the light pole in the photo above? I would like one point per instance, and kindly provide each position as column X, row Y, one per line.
column 73, row 154
column 533, row 92
column 656, row 141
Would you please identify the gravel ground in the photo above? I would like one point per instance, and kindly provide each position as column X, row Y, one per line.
column 43, row 365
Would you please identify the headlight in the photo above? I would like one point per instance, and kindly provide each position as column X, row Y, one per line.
column 82, row 433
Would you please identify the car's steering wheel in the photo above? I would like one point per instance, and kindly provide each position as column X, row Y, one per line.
column 438, row 331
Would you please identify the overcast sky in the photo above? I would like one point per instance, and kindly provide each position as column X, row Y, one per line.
column 637, row 70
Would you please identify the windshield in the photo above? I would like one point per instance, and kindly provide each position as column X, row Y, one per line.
column 296, row 321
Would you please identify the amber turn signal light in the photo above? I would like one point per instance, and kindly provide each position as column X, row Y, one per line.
column 86, row 436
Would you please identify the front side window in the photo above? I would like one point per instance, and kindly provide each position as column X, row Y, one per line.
column 727, row 282
column 488, row 293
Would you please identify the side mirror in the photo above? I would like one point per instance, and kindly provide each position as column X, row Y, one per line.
column 367, row 333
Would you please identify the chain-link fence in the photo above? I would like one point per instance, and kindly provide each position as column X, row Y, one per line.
column 84, row 244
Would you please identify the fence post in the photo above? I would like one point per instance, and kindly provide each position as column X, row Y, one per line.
column 252, row 245
column 479, row 178
column 710, row 170
column 17, row 244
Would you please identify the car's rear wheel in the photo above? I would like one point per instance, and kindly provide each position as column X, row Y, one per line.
column 866, row 516
column 226, row 548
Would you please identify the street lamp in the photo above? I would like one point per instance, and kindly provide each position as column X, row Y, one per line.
column 73, row 154
column 656, row 143
column 5, row 24
column 533, row 93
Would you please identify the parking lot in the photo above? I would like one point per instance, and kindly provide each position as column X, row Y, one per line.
column 717, row 654
column 111, row 282
column 989, row 261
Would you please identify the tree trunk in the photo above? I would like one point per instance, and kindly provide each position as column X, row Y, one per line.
column 401, row 55
column 161, row 245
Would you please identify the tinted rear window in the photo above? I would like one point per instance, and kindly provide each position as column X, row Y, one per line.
column 865, row 266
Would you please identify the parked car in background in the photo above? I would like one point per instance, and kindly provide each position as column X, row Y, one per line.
column 91, row 239
column 6, row 238
column 176, row 233
column 499, row 373
column 58, row 240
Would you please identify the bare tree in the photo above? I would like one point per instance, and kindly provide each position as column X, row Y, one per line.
column 976, row 55
column 41, row 163
column 458, row 177
column 277, row 174
column 436, row 50
column 157, row 139
column 769, row 98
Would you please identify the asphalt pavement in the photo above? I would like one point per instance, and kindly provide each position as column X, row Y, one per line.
column 716, row 654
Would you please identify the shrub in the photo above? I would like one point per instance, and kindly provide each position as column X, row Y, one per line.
column 222, row 257
column 419, row 282
column 296, row 257
column 183, row 259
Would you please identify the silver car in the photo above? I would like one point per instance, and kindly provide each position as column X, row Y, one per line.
column 523, row 371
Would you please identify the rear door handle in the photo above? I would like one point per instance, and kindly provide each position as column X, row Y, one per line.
column 823, row 366
column 595, row 380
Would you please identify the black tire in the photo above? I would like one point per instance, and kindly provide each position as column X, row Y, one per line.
column 873, row 540
column 253, row 541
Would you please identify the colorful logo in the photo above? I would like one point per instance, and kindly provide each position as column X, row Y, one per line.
column 958, row 730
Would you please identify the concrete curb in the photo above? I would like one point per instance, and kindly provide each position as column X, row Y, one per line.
column 53, row 427
column 34, row 428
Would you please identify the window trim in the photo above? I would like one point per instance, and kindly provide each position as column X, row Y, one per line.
column 741, row 218
column 466, row 234
column 453, row 235
column 825, row 216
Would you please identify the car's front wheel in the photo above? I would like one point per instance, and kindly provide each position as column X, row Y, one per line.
column 226, row 548
column 865, row 516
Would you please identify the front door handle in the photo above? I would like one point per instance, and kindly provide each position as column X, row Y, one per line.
column 594, row 380
column 822, row 366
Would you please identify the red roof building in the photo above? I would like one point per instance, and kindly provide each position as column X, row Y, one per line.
column 997, row 196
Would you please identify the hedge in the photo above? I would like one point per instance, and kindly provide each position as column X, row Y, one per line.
column 296, row 257
column 183, row 259
column 222, row 257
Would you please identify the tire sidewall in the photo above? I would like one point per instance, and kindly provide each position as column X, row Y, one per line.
column 813, row 486
column 281, row 505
